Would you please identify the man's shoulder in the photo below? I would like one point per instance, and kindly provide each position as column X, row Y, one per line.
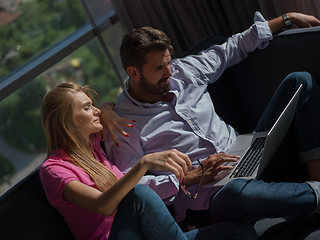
column 122, row 98
column 123, row 103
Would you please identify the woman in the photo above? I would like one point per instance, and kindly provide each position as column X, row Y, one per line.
column 92, row 195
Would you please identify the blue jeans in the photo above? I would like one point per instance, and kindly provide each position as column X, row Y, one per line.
column 252, row 200
column 306, row 122
column 143, row 215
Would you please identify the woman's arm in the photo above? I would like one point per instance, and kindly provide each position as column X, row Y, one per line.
column 108, row 201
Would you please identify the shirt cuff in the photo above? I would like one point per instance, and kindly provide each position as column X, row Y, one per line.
column 263, row 30
column 166, row 186
column 310, row 155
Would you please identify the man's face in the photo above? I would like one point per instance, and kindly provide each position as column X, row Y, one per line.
column 156, row 73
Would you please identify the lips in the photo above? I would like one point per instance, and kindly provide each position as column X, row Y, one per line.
column 164, row 81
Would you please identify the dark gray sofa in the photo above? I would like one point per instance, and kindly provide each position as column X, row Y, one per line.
column 26, row 214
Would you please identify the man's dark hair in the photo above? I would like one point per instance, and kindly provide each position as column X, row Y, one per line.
column 139, row 42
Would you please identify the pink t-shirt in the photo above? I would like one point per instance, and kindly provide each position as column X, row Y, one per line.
column 55, row 173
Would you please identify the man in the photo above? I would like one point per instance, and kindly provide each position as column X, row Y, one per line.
column 172, row 108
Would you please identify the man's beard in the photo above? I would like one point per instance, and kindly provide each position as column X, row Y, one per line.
column 155, row 88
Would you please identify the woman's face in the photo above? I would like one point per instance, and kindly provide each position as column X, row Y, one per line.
column 85, row 115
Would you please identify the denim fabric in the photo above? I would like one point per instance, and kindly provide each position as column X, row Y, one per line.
column 224, row 231
column 142, row 215
column 305, row 125
column 252, row 200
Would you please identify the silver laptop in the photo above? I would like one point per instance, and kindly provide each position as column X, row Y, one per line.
column 256, row 149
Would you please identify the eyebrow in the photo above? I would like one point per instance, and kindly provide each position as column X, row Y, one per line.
column 159, row 67
column 86, row 103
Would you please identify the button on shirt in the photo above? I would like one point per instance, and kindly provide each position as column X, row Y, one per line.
column 189, row 122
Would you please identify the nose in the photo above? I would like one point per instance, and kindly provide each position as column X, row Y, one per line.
column 168, row 70
column 96, row 111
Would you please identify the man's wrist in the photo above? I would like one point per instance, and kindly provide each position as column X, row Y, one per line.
column 191, row 178
column 287, row 20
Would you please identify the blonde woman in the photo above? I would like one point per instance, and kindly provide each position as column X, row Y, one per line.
column 92, row 195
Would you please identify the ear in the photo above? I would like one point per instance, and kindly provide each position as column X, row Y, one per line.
column 133, row 72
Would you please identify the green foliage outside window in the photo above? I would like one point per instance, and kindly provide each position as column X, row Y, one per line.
column 41, row 24
column 6, row 169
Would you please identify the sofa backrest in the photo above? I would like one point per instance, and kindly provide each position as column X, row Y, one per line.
column 252, row 82
column 25, row 213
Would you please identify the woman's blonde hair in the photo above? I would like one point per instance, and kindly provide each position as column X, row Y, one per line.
column 61, row 133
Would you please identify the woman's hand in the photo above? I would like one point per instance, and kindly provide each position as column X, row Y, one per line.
column 107, row 202
column 112, row 122
column 171, row 160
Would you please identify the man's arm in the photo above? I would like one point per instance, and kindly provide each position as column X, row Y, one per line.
column 299, row 19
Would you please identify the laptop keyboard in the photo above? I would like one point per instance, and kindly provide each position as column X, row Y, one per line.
column 250, row 160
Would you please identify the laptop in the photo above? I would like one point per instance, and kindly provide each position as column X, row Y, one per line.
column 256, row 149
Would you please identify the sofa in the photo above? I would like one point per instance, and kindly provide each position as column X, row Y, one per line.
column 26, row 214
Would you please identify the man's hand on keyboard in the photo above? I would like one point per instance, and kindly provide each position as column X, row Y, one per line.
column 212, row 166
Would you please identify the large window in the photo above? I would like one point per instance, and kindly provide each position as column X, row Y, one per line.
column 35, row 29
column 27, row 28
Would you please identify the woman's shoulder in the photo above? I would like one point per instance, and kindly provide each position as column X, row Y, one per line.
column 56, row 161
column 57, row 170
column 55, row 155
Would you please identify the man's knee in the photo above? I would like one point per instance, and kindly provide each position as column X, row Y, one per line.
column 297, row 78
column 227, row 204
column 231, row 191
